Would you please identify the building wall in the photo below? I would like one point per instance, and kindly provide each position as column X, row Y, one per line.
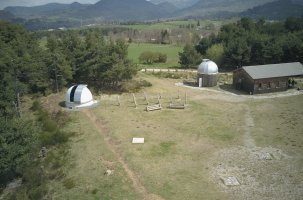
column 208, row 80
column 260, row 85
column 270, row 85
column 242, row 81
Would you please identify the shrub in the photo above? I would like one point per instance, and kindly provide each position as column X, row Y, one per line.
column 61, row 118
column 135, row 86
column 36, row 106
column 94, row 191
column 49, row 125
column 149, row 57
column 162, row 58
column 38, row 192
column 69, row 183
column 53, row 138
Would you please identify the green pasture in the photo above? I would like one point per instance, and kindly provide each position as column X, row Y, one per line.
column 135, row 49
column 173, row 24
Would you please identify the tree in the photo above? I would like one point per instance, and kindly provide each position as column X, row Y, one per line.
column 292, row 48
column 18, row 139
column 59, row 69
column 294, row 24
column 21, row 65
column 205, row 43
column 237, row 53
column 189, row 57
column 165, row 37
column 216, row 53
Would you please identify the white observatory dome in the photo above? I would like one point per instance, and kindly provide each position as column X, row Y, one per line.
column 207, row 67
column 78, row 96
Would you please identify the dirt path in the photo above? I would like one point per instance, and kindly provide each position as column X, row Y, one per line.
column 137, row 184
column 249, row 123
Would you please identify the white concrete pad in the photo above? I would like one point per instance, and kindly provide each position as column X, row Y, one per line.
column 266, row 156
column 138, row 141
column 230, row 181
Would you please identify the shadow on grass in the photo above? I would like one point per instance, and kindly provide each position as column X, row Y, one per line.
column 230, row 88
column 62, row 104
column 191, row 83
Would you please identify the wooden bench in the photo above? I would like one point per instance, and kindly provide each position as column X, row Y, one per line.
column 154, row 107
column 176, row 106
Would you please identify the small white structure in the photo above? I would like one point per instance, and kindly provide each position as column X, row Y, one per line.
column 207, row 73
column 138, row 141
column 79, row 96
column 231, row 181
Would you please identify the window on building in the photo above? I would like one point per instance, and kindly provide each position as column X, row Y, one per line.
column 268, row 85
column 260, row 86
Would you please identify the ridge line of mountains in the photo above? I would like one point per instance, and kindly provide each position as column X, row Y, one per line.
column 142, row 10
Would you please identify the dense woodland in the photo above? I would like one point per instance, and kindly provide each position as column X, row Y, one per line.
column 26, row 69
column 249, row 42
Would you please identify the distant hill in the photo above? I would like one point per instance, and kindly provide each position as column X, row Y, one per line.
column 217, row 8
column 104, row 10
column 276, row 10
column 5, row 15
column 122, row 10
column 51, row 9
column 168, row 7
column 178, row 3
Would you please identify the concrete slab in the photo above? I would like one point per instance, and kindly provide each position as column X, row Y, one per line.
column 230, row 181
column 138, row 141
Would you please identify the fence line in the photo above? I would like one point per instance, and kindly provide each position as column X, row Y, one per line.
column 169, row 70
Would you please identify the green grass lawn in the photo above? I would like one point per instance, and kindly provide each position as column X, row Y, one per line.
column 171, row 51
column 172, row 24
column 186, row 152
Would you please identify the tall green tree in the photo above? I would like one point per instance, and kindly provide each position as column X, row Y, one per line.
column 238, row 53
column 165, row 37
column 18, row 139
column 189, row 58
column 21, row 65
column 216, row 53
column 59, row 69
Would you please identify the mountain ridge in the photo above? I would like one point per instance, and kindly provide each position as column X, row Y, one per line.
column 275, row 10
column 108, row 10
column 206, row 8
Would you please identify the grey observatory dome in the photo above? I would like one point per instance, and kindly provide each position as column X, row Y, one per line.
column 207, row 67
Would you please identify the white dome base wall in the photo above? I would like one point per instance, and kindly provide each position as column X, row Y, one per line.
column 208, row 80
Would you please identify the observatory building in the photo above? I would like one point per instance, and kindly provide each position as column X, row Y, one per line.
column 207, row 74
column 79, row 96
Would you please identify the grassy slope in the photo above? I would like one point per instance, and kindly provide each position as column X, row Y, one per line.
column 89, row 159
column 181, row 146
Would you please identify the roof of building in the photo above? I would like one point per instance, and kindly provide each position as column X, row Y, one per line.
column 207, row 67
column 274, row 70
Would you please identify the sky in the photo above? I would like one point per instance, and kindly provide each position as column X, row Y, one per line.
column 5, row 3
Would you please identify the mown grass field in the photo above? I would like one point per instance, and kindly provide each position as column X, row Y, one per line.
column 172, row 24
column 186, row 152
column 135, row 49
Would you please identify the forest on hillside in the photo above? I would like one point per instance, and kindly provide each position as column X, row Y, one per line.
column 28, row 70
column 249, row 42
